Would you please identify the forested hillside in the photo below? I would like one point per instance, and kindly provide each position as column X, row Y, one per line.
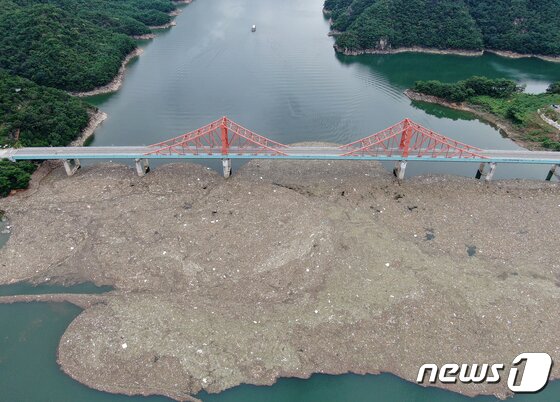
column 521, row 26
column 47, row 46
column 52, row 47
column 34, row 115
column 74, row 45
column 131, row 17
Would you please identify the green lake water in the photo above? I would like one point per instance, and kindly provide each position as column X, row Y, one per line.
column 283, row 81
column 30, row 333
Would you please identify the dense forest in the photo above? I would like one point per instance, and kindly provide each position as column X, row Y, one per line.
column 47, row 46
column 521, row 26
column 466, row 89
column 75, row 45
column 131, row 17
column 506, row 100
column 33, row 115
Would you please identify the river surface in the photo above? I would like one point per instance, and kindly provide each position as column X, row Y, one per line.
column 285, row 82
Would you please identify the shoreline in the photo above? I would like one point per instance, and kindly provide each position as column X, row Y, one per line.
column 84, row 301
column 514, row 55
column 116, row 83
column 164, row 26
column 504, row 127
column 412, row 49
column 118, row 80
column 95, row 119
column 144, row 37
column 456, row 52
column 128, row 389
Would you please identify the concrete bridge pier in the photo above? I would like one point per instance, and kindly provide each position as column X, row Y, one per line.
column 400, row 168
column 71, row 166
column 142, row 167
column 487, row 175
column 226, row 163
column 554, row 171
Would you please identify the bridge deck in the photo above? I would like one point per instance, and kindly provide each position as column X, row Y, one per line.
column 312, row 153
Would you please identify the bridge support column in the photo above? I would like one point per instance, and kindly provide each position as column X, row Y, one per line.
column 142, row 167
column 226, row 163
column 487, row 176
column 400, row 168
column 71, row 166
column 480, row 171
column 490, row 174
column 554, row 171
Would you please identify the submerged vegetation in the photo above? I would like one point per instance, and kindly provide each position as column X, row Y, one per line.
column 505, row 100
column 521, row 26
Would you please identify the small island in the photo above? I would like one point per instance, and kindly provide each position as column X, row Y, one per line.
column 533, row 120
column 466, row 27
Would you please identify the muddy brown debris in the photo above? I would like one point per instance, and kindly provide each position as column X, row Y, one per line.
column 289, row 269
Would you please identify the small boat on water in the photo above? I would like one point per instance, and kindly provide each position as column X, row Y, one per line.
column 253, row 28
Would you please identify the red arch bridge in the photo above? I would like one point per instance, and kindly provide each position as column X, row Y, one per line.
column 224, row 139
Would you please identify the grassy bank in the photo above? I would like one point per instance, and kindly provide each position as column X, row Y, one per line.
column 504, row 101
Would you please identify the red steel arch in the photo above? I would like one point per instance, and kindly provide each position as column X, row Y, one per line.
column 221, row 136
column 404, row 139
column 408, row 138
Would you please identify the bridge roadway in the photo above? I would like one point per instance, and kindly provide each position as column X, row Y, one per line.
column 329, row 153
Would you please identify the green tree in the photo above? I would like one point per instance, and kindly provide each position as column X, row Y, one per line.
column 554, row 88
column 14, row 176
column 34, row 115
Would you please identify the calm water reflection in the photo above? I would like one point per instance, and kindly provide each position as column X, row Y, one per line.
column 286, row 82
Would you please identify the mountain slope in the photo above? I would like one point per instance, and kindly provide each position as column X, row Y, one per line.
column 54, row 48
column 509, row 25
